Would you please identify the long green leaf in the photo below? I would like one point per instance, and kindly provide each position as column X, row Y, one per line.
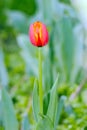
column 70, row 48
column 17, row 20
column 36, row 101
column 59, row 110
column 25, row 123
column 1, row 114
column 53, row 101
column 68, row 45
column 9, row 118
column 45, row 124
column 3, row 71
column 27, row 51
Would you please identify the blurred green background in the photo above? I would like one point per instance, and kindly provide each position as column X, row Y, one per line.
column 65, row 54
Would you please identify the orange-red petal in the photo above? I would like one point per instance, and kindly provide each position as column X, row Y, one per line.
column 38, row 34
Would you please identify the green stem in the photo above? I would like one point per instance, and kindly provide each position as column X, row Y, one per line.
column 40, row 82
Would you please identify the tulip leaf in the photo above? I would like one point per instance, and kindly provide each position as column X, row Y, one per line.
column 17, row 20
column 46, row 8
column 47, row 76
column 53, row 101
column 27, row 51
column 70, row 39
column 1, row 112
column 45, row 124
column 68, row 45
column 1, row 128
column 59, row 110
column 3, row 71
column 36, row 101
column 9, row 118
column 25, row 123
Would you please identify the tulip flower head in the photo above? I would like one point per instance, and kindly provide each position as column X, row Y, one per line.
column 38, row 34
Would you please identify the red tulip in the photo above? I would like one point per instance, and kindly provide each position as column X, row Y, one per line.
column 38, row 34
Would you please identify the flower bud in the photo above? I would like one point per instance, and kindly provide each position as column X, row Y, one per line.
column 38, row 34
